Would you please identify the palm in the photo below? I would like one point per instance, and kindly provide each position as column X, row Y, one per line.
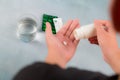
column 63, row 43
column 67, row 46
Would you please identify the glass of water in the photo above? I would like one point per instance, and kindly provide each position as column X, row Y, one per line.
column 27, row 28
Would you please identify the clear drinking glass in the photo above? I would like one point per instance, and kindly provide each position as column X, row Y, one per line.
column 27, row 28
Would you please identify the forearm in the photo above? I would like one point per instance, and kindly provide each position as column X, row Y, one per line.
column 115, row 62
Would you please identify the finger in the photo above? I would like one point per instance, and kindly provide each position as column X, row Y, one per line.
column 101, row 34
column 99, row 23
column 99, row 26
column 105, row 23
column 101, row 30
column 76, row 42
column 48, row 29
column 64, row 29
column 72, row 27
column 72, row 35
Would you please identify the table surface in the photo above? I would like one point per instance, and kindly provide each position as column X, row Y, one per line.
column 15, row 54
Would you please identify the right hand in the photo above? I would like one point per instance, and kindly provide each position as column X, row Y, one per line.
column 106, row 38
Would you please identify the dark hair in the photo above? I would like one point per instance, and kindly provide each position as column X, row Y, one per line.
column 116, row 15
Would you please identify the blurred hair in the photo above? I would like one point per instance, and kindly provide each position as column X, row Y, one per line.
column 116, row 15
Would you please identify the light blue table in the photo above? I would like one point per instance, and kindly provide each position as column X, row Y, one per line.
column 15, row 54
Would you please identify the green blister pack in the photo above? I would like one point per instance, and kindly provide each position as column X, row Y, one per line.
column 48, row 18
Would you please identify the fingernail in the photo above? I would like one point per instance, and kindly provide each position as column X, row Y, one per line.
column 47, row 23
column 76, row 19
column 105, row 28
column 71, row 21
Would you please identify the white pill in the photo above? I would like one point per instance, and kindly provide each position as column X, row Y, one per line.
column 65, row 43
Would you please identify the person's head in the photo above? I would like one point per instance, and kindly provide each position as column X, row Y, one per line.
column 116, row 15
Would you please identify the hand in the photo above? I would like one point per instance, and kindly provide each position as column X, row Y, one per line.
column 106, row 38
column 62, row 46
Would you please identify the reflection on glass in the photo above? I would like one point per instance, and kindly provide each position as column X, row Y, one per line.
column 27, row 29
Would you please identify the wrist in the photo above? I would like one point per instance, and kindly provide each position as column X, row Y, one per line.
column 55, row 60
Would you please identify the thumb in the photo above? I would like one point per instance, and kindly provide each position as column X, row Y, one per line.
column 48, row 29
column 102, row 34
column 101, row 28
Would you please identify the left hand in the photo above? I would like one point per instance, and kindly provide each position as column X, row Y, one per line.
column 62, row 46
column 106, row 38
